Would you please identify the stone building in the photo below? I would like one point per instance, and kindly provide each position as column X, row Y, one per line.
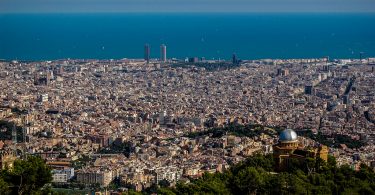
column 7, row 158
column 95, row 176
column 289, row 148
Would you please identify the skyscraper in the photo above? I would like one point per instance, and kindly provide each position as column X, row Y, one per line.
column 234, row 58
column 49, row 77
column 163, row 53
column 147, row 53
column 309, row 89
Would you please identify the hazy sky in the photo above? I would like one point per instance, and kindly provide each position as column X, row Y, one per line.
column 187, row 6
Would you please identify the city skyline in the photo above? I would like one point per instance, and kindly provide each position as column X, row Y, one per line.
column 84, row 6
column 187, row 97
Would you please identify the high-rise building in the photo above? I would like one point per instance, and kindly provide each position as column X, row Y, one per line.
column 163, row 53
column 346, row 99
column 279, row 71
column 309, row 90
column 147, row 53
column 194, row 59
column 36, row 78
column 234, row 59
column 49, row 76
column 43, row 98
column 285, row 72
column 282, row 72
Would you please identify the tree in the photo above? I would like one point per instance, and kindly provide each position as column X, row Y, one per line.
column 165, row 191
column 164, row 183
column 331, row 161
column 132, row 192
column 4, row 187
column 249, row 180
column 28, row 176
column 255, row 176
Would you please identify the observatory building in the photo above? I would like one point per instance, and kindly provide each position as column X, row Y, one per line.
column 289, row 148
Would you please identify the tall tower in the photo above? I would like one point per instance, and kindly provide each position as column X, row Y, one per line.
column 48, row 77
column 309, row 89
column 234, row 58
column 61, row 70
column 147, row 53
column 36, row 78
column 163, row 53
column 326, row 59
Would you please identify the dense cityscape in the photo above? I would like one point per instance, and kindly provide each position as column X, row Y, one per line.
column 131, row 124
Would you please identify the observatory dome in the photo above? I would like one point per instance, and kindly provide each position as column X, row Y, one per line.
column 288, row 135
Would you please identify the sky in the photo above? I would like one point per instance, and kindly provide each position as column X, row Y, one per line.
column 82, row 6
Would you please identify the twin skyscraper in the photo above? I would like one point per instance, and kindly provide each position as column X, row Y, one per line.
column 163, row 53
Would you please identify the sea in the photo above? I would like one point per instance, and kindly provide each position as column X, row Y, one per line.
column 49, row 36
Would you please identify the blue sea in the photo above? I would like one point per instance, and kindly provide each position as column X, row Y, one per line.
column 209, row 35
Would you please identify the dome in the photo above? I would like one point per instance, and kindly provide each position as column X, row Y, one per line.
column 288, row 135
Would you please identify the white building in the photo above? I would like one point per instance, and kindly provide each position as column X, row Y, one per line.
column 63, row 175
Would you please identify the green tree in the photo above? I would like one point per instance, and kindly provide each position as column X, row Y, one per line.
column 249, row 180
column 255, row 176
column 331, row 162
column 4, row 187
column 132, row 192
column 165, row 191
column 28, row 176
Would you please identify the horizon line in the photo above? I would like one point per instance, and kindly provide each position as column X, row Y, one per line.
column 191, row 11
column 140, row 58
